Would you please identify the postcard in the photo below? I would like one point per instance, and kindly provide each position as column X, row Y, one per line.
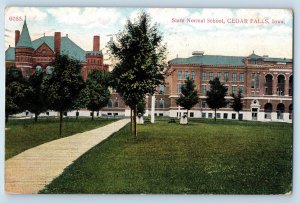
column 116, row 100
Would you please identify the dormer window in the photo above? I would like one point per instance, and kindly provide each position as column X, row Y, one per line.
column 44, row 51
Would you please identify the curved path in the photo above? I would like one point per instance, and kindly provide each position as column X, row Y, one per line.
column 31, row 170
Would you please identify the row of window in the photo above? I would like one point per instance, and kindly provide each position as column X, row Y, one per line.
column 234, row 89
column 225, row 115
column 186, row 75
column 115, row 102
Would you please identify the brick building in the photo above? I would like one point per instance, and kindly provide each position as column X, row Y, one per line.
column 266, row 82
column 29, row 56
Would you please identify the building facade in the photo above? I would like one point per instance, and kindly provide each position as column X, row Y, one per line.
column 266, row 83
column 29, row 56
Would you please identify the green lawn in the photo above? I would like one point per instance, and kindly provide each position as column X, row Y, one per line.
column 25, row 134
column 201, row 158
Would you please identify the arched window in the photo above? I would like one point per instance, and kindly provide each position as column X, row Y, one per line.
column 117, row 103
column 49, row 70
column 280, row 111
column 161, row 103
column 291, row 86
column 38, row 69
column 268, row 110
column 268, row 84
column 109, row 105
column 280, row 85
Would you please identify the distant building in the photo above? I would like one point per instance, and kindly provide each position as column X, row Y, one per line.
column 29, row 56
column 266, row 83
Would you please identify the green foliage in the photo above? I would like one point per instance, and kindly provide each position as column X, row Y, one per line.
column 140, row 55
column 37, row 99
column 172, row 120
column 216, row 95
column 65, row 83
column 96, row 91
column 237, row 103
column 16, row 90
column 204, row 158
column 189, row 96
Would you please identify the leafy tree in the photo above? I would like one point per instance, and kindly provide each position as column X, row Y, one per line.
column 96, row 91
column 139, row 68
column 16, row 89
column 63, row 85
column 141, row 107
column 216, row 95
column 36, row 99
column 189, row 96
column 237, row 103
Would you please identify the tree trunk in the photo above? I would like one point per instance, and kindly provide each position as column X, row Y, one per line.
column 215, row 114
column 130, row 121
column 134, row 123
column 92, row 115
column 60, row 122
column 35, row 117
column 6, row 118
column 77, row 115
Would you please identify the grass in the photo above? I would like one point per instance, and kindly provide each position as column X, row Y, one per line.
column 201, row 158
column 25, row 134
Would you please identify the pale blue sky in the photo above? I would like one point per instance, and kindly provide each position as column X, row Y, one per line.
column 182, row 38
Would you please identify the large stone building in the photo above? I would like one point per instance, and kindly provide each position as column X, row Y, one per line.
column 266, row 82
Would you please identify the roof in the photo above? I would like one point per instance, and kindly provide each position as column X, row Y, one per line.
column 68, row 47
column 10, row 54
column 254, row 56
column 282, row 60
column 24, row 40
column 210, row 60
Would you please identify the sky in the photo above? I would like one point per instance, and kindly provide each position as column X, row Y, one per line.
column 232, row 32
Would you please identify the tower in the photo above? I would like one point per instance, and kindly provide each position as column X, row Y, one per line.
column 24, row 51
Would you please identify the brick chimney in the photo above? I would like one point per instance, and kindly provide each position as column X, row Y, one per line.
column 57, row 42
column 17, row 36
column 96, row 43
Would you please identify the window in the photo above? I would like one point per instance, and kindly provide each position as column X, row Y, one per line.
column 252, row 80
column 186, row 75
column 218, row 115
column 211, row 76
column 179, row 88
column 49, row 70
column 204, row 76
column 233, row 76
column 109, row 105
column 38, row 69
column 219, row 75
column 191, row 114
column 209, row 115
column 242, row 77
column 234, row 89
column 257, row 81
column 161, row 89
column 117, row 103
column 161, row 103
column 203, row 89
column 179, row 75
column 203, row 115
column 225, row 115
column 226, row 76
column 193, row 75
column 203, row 104
column 233, row 116
column 242, row 89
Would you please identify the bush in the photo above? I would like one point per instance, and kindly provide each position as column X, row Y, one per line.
column 172, row 120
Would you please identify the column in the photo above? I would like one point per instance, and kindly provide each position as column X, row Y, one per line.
column 152, row 108
column 286, row 86
column 274, row 85
column 262, row 84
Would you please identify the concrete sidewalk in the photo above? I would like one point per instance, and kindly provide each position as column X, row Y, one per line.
column 31, row 170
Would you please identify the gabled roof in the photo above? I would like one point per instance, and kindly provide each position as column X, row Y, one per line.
column 68, row 47
column 210, row 60
column 24, row 40
column 10, row 54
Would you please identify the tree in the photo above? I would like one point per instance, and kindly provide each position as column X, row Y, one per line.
column 139, row 67
column 96, row 91
column 216, row 95
column 141, row 107
column 237, row 104
column 189, row 96
column 16, row 89
column 36, row 99
column 63, row 85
